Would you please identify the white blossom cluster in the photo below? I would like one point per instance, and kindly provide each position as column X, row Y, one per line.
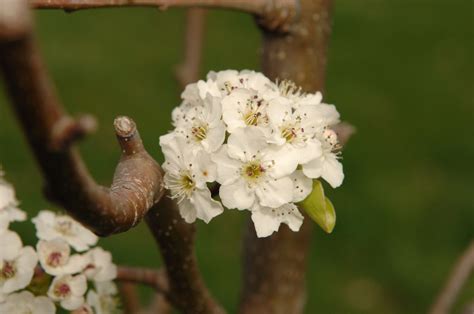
column 261, row 142
column 63, row 270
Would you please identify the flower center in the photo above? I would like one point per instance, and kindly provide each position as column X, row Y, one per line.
column 64, row 227
column 200, row 132
column 62, row 290
column 288, row 133
column 252, row 170
column 8, row 270
column 187, row 183
column 289, row 88
column 54, row 259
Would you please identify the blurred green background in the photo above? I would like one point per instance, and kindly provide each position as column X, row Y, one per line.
column 400, row 71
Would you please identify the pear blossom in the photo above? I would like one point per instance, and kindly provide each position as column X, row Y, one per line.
column 104, row 298
column 50, row 226
column 56, row 259
column 244, row 107
column 100, row 267
column 295, row 129
column 68, row 290
column 84, row 309
column 186, row 177
column 17, row 263
column 26, row 302
column 202, row 125
column 327, row 166
column 9, row 210
column 249, row 171
column 261, row 143
column 267, row 220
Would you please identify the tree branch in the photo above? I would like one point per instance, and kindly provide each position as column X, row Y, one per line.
column 129, row 297
column 176, row 240
column 273, row 13
column 461, row 272
column 50, row 132
column 275, row 267
column 188, row 71
column 155, row 279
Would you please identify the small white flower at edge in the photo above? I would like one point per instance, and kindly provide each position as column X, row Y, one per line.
column 69, row 291
column 26, row 302
column 100, row 267
column 103, row 300
column 50, row 226
column 17, row 263
column 56, row 259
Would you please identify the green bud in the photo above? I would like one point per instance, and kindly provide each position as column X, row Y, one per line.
column 319, row 207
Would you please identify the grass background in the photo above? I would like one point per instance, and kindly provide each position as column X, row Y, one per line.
column 400, row 71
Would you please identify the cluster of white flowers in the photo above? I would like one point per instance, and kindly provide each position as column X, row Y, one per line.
column 35, row 281
column 261, row 142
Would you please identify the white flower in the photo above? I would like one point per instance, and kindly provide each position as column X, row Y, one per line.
column 202, row 126
column 50, row 226
column 229, row 80
column 25, row 302
column 267, row 220
column 250, row 171
column 327, row 165
column 9, row 210
column 84, row 309
column 244, row 107
column 100, row 267
column 104, row 301
column 295, row 129
column 17, row 263
column 56, row 259
column 186, row 176
column 68, row 290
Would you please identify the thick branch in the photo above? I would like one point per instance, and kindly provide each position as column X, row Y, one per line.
column 188, row 71
column 50, row 132
column 273, row 13
column 176, row 240
column 275, row 267
column 461, row 272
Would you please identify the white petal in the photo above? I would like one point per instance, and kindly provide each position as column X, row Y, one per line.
column 11, row 245
column 214, row 138
column 332, row 171
column 302, row 186
column 237, row 195
column 206, row 207
column 275, row 192
column 72, row 303
column 204, row 169
column 243, row 144
column 284, row 160
column 314, row 168
column 279, row 111
column 265, row 224
column 228, row 170
column 187, row 210
column 309, row 151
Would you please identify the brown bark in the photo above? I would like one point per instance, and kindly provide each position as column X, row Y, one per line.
column 176, row 240
column 188, row 70
column 275, row 267
column 50, row 132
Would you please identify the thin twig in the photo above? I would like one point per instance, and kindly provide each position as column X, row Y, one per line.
column 153, row 278
column 188, row 71
column 129, row 297
column 51, row 132
column 460, row 273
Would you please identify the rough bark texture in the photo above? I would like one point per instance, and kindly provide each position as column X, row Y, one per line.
column 176, row 241
column 275, row 267
column 50, row 131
